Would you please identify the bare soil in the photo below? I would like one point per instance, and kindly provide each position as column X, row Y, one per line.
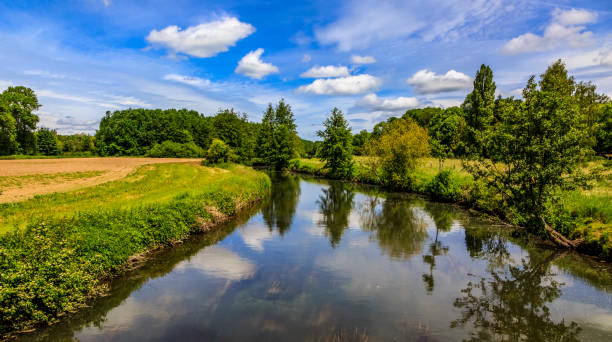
column 108, row 169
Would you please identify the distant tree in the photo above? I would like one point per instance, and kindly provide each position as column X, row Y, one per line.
column 20, row 102
column 397, row 151
column 359, row 141
column 536, row 148
column 171, row 149
column 423, row 116
column 218, row 152
column 478, row 107
column 8, row 130
column 336, row 148
column 603, row 133
column 46, row 142
column 277, row 141
column 446, row 131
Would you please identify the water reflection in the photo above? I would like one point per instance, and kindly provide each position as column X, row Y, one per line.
column 335, row 204
column 407, row 269
column 511, row 305
column 398, row 225
column 279, row 208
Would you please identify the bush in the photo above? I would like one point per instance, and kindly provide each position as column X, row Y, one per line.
column 219, row 152
column 170, row 149
column 444, row 187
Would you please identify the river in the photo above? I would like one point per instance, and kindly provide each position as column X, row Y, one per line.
column 331, row 261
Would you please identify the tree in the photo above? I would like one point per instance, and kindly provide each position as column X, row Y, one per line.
column 535, row 149
column 603, row 133
column 478, row 107
column 396, row 152
column 423, row 116
column 8, row 130
column 359, row 141
column 446, row 131
column 218, row 152
column 337, row 149
column 277, row 140
column 46, row 142
column 21, row 102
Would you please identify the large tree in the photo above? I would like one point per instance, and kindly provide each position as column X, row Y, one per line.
column 446, row 131
column 21, row 102
column 8, row 131
column 277, row 140
column 535, row 149
column 336, row 149
column 478, row 107
column 46, row 142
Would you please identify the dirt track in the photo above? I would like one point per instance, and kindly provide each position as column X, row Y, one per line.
column 25, row 171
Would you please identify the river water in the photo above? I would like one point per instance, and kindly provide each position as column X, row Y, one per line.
column 330, row 261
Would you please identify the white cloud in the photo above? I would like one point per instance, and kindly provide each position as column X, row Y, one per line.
column 565, row 29
column 350, row 85
column 189, row 80
column 375, row 103
column 106, row 2
column 326, row 71
column 355, row 59
column 252, row 66
column 428, row 82
column 219, row 262
column 599, row 57
column 574, row 17
column 204, row 40
column 306, row 58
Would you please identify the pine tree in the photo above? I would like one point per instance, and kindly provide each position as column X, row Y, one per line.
column 337, row 148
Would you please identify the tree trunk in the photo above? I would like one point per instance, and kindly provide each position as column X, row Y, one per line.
column 561, row 240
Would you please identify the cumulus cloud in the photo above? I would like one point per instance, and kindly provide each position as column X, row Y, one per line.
column 355, row 59
column 598, row 57
column 326, row 71
column 428, row 82
column 375, row 103
column 204, row 40
column 350, row 85
column 252, row 66
column 566, row 28
column 189, row 80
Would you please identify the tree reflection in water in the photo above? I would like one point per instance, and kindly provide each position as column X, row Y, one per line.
column 511, row 305
column 443, row 220
column 279, row 208
column 398, row 224
column 335, row 205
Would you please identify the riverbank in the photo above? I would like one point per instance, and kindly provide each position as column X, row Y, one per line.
column 587, row 213
column 60, row 249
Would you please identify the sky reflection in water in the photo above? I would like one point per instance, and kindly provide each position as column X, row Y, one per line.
column 333, row 261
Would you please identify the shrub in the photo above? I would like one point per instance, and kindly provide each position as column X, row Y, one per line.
column 170, row 149
column 219, row 152
column 444, row 187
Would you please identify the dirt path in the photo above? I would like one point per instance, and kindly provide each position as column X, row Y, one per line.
column 30, row 177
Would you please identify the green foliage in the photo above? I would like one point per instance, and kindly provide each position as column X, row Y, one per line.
column 76, row 143
column 423, row 116
column 540, row 143
column 17, row 122
column 219, row 152
column 46, row 142
column 478, row 107
column 603, row 129
column 277, row 140
column 169, row 149
column 336, row 149
column 446, row 130
column 397, row 151
column 444, row 187
column 359, row 142
column 57, row 263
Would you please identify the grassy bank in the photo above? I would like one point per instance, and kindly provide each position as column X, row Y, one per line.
column 57, row 250
column 585, row 214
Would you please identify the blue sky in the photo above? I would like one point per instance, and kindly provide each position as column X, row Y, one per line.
column 372, row 59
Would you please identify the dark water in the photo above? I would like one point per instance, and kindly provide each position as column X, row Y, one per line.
column 331, row 261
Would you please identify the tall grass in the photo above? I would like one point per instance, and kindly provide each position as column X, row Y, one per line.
column 57, row 259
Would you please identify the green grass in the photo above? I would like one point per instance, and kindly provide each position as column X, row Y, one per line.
column 58, row 249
